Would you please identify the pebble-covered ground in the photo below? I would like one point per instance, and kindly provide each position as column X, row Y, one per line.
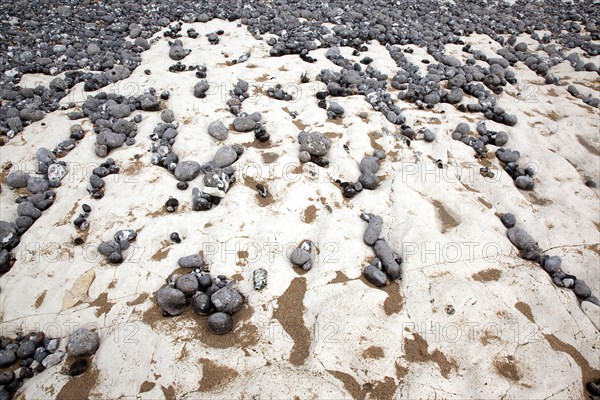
column 299, row 200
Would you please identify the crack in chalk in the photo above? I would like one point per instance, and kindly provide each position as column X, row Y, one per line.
column 570, row 245
column 554, row 394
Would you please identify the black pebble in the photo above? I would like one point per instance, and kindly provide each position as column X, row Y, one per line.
column 182, row 185
column 78, row 367
column 25, row 373
column 175, row 237
column 86, row 208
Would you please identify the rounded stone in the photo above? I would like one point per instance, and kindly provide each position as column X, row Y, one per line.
column 508, row 220
column 187, row 170
column 581, row 289
column 188, row 284
column 521, row 239
column 171, row 300
column 202, row 305
column 374, row 275
column 26, row 349
column 220, row 323
column 83, row 342
column 299, row 257
column 227, row 300
column 304, row 156
column 552, row 264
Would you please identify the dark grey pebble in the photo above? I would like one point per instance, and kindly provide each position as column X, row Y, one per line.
column 83, row 342
column 201, row 304
column 175, row 237
column 581, row 289
column 374, row 275
column 188, row 284
column 521, row 239
column 7, row 377
column 220, row 323
column 78, row 367
column 171, row 300
column 191, row 261
column 552, row 264
column 508, row 220
column 227, row 300
column 385, row 254
column 26, row 349
column 373, row 230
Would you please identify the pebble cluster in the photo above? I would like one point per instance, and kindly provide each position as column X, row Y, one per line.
column 99, row 44
column 301, row 256
column 529, row 250
column 25, row 356
column 218, row 298
column 386, row 265
column 113, row 249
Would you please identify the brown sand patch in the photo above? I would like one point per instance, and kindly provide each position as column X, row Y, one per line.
column 102, row 304
column 538, row 201
column 40, row 300
column 5, row 171
column 160, row 212
column 525, row 310
column 290, row 314
column 269, row 157
column 133, row 167
column 141, row 299
column 67, row 219
column 263, row 78
column 169, row 392
column 487, row 275
column 384, row 389
column 251, row 183
column 244, row 334
column 374, row 352
column 349, row 383
column 593, row 247
column 310, row 213
column 333, row 135
column 485, row 202
column 508, row 369
column 554, row 116
column 588, row 373
column 340, row 277
column 146, row 386
column 448, row 221
column 214, row 375
column 488, row 337
column 552, row 92
column 299, row 124
column 79, row 387
column 416, row 351
column 469, row 188
column 394, row 303
column 257, row 144
column 591, row 148
column 584, row 106
column 401, row 371
column 163, row 252
column 373, row 136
